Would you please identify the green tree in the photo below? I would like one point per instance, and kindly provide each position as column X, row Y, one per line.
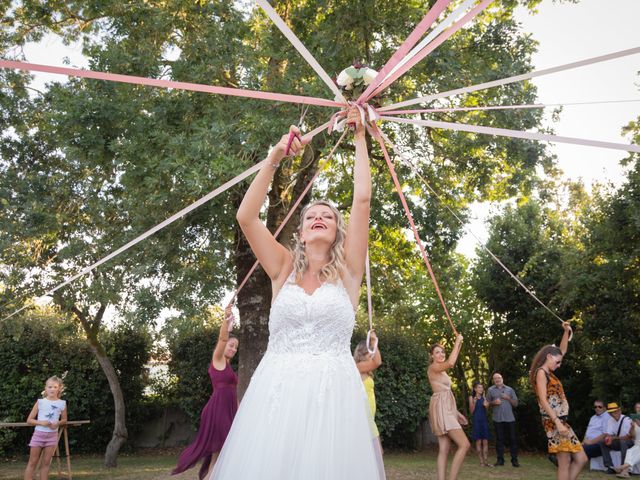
column 541, row 242
column 605, row 287
column 89, row 165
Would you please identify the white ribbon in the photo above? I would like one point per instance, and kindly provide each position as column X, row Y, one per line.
column 372, row 350
column 152, row 230
column 373, row 115
column 516, row 78
column 284, row 28
column 506, row 107
column 503, row 132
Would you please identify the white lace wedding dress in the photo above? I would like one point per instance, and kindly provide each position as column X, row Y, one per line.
column 304, row 415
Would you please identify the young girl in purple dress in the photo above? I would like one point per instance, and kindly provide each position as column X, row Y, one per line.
column 217, row 415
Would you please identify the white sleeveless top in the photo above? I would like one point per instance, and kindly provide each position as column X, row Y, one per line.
column 50, row 411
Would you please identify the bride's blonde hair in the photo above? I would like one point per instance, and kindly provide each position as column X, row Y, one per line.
column 332, row 271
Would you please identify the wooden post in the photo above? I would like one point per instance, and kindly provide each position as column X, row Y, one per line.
column 57, row 454
column 66, row 449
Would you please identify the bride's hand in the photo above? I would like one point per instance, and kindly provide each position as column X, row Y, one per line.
column 354, row 118
column 295, row 145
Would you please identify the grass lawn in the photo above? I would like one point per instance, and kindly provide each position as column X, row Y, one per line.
column 156, row 465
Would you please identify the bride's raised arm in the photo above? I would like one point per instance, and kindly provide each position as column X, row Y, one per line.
column 358, row 229
column 272, row 255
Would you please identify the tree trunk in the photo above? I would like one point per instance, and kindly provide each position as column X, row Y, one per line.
column 91, row 328
column 120, row 435
column 254, row 301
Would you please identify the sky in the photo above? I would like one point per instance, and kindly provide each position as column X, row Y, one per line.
column 566, row 32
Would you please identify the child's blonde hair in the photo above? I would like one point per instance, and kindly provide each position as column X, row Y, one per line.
column 58, row 380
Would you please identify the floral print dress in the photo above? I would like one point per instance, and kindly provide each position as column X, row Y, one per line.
column 555, row 396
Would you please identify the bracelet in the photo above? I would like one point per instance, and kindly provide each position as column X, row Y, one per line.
column 273, row 164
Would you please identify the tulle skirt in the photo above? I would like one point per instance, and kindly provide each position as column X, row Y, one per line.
column 304, row 416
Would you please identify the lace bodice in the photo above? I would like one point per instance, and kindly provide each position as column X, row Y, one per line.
column 320, row 323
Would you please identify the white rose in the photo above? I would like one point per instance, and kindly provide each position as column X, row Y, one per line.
column 344, row 79
column 369, row 75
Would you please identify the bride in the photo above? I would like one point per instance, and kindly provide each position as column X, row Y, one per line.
column 305, row 413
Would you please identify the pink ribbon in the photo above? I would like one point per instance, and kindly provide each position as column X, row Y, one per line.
column 432, row 46
column 516, row 78
column 484, row 247
column 504, row 107
column 411, row 40
column 375, row 132
column 434, row 33
column 155, row 82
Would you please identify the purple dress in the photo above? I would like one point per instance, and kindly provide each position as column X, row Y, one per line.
column 215, row 421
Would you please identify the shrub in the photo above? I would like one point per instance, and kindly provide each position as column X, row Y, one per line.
column 402, row 389
column 35, row 347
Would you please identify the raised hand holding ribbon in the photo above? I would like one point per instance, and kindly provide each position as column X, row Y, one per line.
column 229, row 317
column 567, row 328
column 291, row 144
column 355, row 120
